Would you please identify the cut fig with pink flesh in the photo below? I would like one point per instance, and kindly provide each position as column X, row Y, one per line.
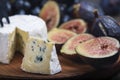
column 70, row 45
column 101, row 52
column 50, row 14
column 60, row 36
column 77, row 25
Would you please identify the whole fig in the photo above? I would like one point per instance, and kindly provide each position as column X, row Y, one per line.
column 85, row 9
column 106, row 26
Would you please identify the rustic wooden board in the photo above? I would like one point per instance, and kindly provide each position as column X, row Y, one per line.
column 70, row 68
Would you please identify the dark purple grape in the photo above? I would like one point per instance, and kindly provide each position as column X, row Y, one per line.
column 76, row 1
column 110, row 7
column 35, row 11
column 41, row 4
column 65, row 18
column 63, row 13
column 63, row 9
column 18, row 4
column 17, row 7
column 8, row 6
column 35, row 1
column 26, row 5
column 69, row 11
column 68, row 3
column 21, row 12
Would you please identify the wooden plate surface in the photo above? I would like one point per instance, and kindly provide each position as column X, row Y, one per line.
column 70, row 69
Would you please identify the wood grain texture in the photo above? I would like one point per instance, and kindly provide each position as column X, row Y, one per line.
column 70, row 68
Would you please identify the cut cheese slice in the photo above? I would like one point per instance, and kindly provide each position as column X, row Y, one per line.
column 21, row 39
column 40, row 57
column 7, row 44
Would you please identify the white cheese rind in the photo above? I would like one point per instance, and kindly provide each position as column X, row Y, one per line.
column 4, row 44
column 32, row 24
column 55, row 66
column 28, row 23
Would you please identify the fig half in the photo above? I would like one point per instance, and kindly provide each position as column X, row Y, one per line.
column 50, row 14
column 105, row 26
column 69, row 47
column 101, row 52
column 77, row 25
column 60, row 36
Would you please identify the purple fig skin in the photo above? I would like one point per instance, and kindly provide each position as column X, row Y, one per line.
column 75, row 58
column 85, row 10
column 106, row 26
column 58, row 48
column 102, row 63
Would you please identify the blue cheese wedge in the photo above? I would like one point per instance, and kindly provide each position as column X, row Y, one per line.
column 13, row 36
column 40, row 57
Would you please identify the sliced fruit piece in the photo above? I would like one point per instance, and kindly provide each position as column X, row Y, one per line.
column 50, row 14
column 77, row 25
column 69, row 47
column 100, row 52
column 105, row 26
column 60, row 36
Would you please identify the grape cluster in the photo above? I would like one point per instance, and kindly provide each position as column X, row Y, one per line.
column 24, row 7
column 33, row 7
